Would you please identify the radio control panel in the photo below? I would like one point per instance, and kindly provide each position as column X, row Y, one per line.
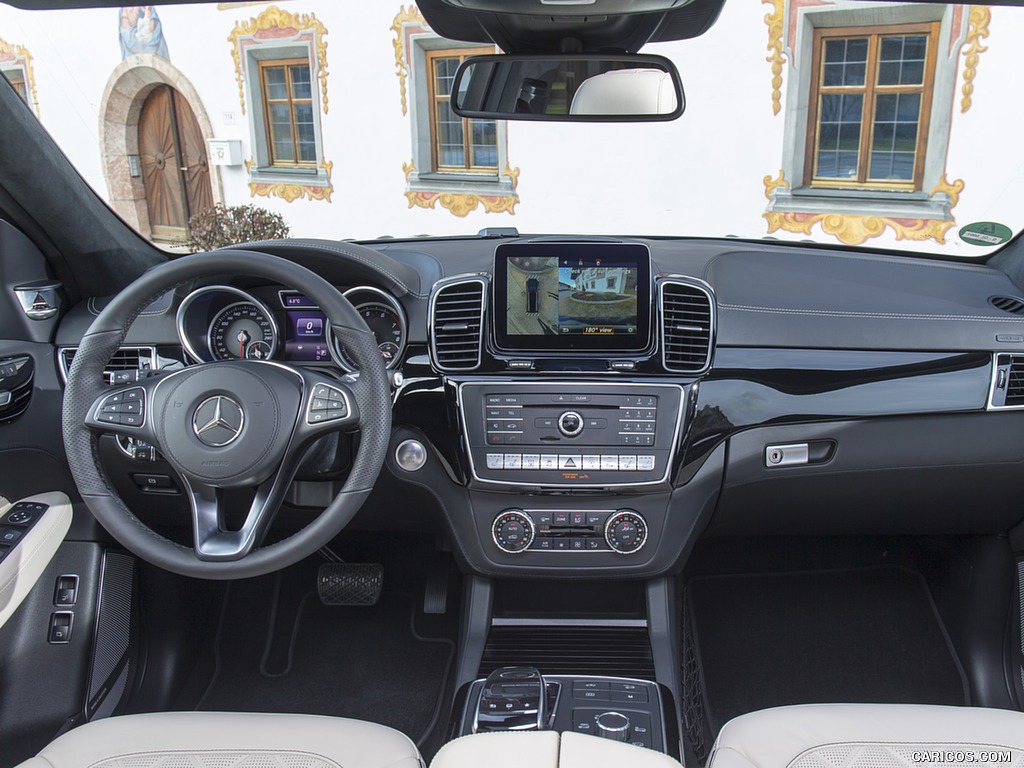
column 571, row 434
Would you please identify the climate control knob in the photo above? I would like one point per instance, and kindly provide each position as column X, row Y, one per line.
column 512, row 531
column 626, row 531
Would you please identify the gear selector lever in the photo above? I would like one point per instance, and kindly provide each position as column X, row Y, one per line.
column 513, row 699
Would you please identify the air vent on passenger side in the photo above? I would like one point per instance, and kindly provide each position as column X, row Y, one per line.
column 1010, row 304
column 457, row 323
column 125, row 359
column 687, row 326
column 1007, row 382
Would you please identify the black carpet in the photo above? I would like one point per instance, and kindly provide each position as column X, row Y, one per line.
column 866, row 635
column 293, row 654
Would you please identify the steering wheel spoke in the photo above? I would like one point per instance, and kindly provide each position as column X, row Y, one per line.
column 126, row 410
column 212, row 539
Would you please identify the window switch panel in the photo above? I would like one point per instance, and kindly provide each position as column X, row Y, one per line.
column 66, row 590
column 61, row 623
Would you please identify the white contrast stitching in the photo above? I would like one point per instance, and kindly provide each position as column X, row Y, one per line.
column 878, row 315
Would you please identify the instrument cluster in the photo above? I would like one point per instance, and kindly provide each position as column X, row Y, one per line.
column 221, row 322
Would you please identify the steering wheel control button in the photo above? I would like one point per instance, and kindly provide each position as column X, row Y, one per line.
column 570, row 424
column 625, row 531
column 126, row 408
column 411, row 455
column 512, row 531
column 327, row 404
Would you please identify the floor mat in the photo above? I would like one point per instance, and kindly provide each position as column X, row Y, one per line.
column 865, row 635
column 293, row 654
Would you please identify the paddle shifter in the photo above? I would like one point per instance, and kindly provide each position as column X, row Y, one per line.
column 513, row 699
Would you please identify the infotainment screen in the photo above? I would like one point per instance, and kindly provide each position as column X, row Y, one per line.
column 572, row 296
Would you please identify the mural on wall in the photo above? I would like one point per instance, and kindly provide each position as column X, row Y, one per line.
column 142, row 32
column 977, row 30
column 967, row 28
column 233, row 6
column 16, row 66
column 270, row 29
column 857, row 230
column 462, row 204
column 407, row 24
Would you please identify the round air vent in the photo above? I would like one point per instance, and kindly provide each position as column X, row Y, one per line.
column 1011, row 304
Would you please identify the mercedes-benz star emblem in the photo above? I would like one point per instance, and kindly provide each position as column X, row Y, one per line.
column 218, row 421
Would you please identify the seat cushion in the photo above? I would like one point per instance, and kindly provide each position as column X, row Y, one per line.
column 871, row 736
column 228, row 740
column 545, row 749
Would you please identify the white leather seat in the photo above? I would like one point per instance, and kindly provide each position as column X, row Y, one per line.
column 626, row 92
column 870, row 736
column 228, row 740
column 545, row 749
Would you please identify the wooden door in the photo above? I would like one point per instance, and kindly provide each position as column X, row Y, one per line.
column 175, row 171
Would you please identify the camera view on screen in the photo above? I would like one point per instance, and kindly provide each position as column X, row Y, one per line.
column 571, row 296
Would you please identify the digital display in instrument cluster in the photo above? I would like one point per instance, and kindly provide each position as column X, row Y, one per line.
column 306, row 337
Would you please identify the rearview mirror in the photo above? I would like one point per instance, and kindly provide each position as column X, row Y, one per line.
column 570, row 87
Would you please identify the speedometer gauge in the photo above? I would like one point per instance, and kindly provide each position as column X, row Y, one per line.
column 237, row 328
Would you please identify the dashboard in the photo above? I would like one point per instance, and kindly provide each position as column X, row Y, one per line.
column 593, row 406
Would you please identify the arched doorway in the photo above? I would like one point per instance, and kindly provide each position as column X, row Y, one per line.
column 128, row 88
column 175, row 171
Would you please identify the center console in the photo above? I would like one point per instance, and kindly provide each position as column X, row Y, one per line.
column 613, row 708
column 570, row 377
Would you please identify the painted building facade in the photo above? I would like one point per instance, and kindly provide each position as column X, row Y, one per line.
column 860, row 123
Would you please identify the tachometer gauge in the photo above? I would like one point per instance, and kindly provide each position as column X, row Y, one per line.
column 240, row 327
column 387, row 329
column 384, row 316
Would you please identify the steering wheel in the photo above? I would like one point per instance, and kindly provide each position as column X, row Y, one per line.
column 226, row 425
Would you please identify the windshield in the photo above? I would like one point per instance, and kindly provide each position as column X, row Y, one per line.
column 878, row 125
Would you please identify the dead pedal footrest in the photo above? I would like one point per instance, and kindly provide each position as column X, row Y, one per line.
column 350, row 583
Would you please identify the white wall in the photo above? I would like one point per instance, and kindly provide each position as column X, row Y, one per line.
column 700, row 175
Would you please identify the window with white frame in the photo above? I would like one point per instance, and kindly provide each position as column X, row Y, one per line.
column 451, row 153
column 868, row 109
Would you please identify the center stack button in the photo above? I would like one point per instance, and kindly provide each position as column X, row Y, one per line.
column 570, row 423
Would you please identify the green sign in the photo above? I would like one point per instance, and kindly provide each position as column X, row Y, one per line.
column 985, row 233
